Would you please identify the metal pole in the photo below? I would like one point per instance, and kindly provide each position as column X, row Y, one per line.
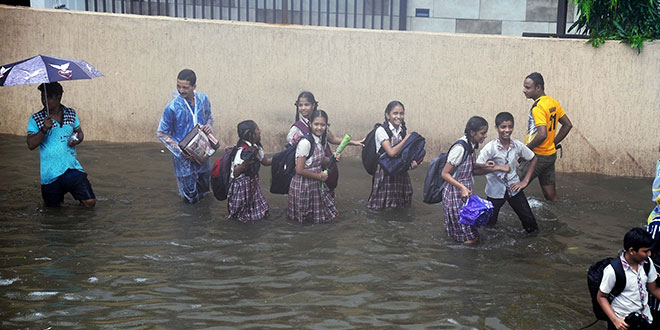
column 391, row 12
column 561, row 18
column 355, row 13
column 403, row 9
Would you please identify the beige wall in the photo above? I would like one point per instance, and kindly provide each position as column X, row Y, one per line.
column 255, row 71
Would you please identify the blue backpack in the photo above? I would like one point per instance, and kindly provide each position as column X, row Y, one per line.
column 369, row 155
column 412, row 149
column 283, row 167
column 434, row 183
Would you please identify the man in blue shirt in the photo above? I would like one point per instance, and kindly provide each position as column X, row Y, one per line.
column 179, row 117
column 56, row 131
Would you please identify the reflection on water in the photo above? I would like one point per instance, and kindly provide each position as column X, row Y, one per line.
column 143, row 259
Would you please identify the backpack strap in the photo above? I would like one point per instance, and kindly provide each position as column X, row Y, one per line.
column 467, row 147
column 310, row 138
column 385, row 126
column 304, row 128
column 620, row 283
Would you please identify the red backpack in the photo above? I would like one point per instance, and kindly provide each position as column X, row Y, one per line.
column 220, row 174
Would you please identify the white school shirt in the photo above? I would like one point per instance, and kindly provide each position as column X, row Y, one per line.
column 455, row 155
column 629, row 300
column 381, row 134
column 302, row 150
column 496, row 182
column 238, row 161
column 295, row 130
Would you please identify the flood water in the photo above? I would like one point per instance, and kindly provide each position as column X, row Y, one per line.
column 142, row 259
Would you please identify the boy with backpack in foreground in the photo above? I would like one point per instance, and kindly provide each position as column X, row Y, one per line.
column 631, row 305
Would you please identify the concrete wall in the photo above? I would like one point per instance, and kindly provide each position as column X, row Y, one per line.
column 255, row 71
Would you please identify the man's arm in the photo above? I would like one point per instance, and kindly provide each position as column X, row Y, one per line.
column 35, row 139
column 566, row 127
column 618, row 322
column 541, row 135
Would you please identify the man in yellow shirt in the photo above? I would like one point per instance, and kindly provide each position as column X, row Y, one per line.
column 542, row 134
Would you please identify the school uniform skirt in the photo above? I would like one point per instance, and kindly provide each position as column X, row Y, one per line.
column 245, row 201
column 452, row 202
column 307, row 201
column 390, row 191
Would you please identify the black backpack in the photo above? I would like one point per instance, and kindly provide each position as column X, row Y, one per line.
column 369, row 155
column 595, row 276
column 220, row 174
column 434, row 183
column 283, row 167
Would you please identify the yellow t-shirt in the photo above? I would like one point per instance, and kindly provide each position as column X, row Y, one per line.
column 546, row 111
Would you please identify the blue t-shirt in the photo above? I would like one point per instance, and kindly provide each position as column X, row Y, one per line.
column 54, row 151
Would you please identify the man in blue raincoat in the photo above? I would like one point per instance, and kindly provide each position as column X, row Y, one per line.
column 179, row 117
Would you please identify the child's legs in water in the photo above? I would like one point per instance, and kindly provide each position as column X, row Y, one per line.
column 520, row 205
column 497, row 205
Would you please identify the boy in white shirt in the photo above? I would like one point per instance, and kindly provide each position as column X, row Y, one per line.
column 502, row 186
column 634, row 297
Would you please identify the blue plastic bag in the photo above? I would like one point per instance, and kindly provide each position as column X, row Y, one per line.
column 476, row 211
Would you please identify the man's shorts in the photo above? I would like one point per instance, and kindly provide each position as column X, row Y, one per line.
column 72, row 181
column 544, row 170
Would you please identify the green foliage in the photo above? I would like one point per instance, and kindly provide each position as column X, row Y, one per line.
column 631, row 21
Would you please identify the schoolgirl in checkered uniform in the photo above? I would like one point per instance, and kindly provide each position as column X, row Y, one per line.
column 458, row 187
column 386, row 190
column 309, row 198
column 305, row 105
column 245, row 201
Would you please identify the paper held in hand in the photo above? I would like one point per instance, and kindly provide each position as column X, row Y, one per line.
column 198, row 145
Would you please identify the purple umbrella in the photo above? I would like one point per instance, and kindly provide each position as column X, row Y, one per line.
column 44, row 69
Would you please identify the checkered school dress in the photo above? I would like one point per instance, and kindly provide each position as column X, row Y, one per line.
column 452, row 204
column 390, row 191
column 306, row 201
column 245, row 201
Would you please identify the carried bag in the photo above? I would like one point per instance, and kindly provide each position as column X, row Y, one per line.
column 434, row 183
column 198, row 145
column 476, row 211
column 412, row 149
column 369, row 154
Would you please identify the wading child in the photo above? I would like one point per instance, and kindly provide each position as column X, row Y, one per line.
column 654, row 229
column 457, row 174
column 309, row 197
column 502, row 186
column 655, row 190
column 245, row 201
column 634, row 298
column 391, row 191
column 305, row 105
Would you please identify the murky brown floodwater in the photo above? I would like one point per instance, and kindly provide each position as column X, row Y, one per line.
column 145, row 260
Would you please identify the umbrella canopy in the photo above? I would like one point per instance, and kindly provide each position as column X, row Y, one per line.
column 45, row 69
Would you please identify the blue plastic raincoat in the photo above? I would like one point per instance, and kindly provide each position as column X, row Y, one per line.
column 179, row 117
